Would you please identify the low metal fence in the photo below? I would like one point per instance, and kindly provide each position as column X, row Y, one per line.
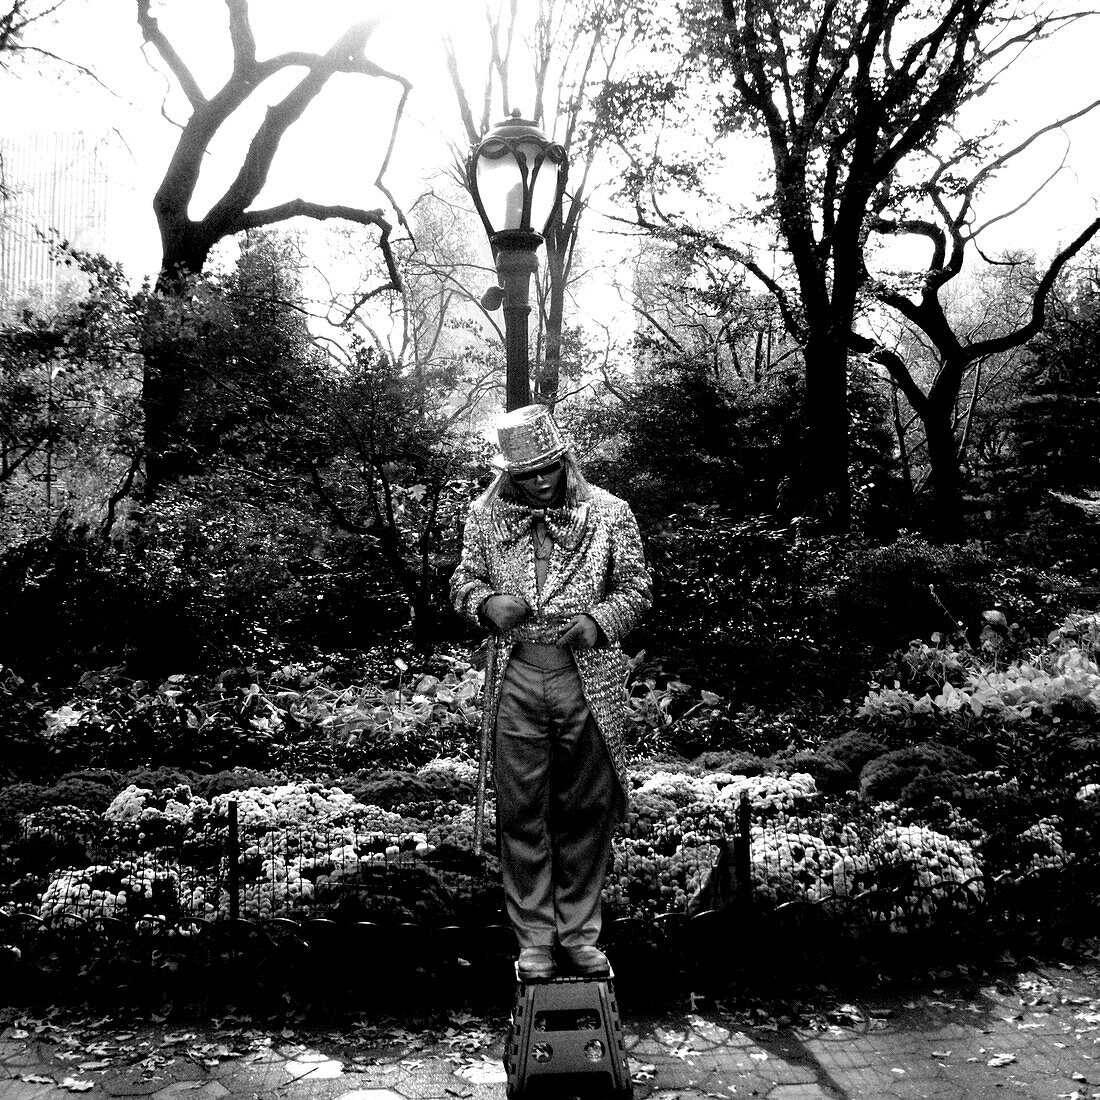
column 833, row 868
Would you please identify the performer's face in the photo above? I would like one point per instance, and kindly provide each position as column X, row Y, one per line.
column 540, row 487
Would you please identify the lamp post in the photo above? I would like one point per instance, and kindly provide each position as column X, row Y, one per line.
column 516, row 176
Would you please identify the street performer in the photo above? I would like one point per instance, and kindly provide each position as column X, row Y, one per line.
column 553, row 567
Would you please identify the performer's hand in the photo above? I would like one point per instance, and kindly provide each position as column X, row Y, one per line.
column 581, row 632
column 504, row 610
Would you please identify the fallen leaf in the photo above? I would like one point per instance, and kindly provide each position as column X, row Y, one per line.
column 941, row 1054
column 77, row 1086
column 179, row 1037
column 37, row 1079
column 484, row 1073
column 1001, row 1060
column 85, row 1066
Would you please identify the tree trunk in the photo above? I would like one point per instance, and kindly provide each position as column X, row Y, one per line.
column 548, row 375
column 164, row 386
column 425, row 621
column 944, row 479
column 826, row 490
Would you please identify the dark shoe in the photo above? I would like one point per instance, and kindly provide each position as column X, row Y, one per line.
column 587, row 961
column 536, row 964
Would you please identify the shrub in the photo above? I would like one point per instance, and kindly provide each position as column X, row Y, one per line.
column 852, row 750
column 830, row 775
column 642, row 770
column 389, row 788
column 22, row 752
column 86, row 794
column 885, row 777
column 203, row 582
column 730, row 607
column 69, row 601
column 881, row 592
column 733, row 761
column 106, row 777
column 235, row 779
column 90, row 791
column 159, row 778
column 19, row 799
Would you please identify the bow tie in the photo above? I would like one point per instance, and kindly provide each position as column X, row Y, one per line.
column 564, row 525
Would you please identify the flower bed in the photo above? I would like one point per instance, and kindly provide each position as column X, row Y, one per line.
column 871, row 811
column 307, row 849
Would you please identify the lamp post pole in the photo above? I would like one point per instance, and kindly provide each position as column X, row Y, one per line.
column 516, row 177
column 515, row 268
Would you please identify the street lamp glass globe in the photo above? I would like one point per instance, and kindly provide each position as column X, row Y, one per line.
column 517, row 178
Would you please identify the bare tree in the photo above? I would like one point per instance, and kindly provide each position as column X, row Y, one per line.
column 186, row 241
column 951, row 230
column 843, row 95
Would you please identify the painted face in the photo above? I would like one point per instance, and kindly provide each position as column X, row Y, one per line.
column 540, row 486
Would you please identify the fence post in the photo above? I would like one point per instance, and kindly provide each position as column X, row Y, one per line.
column 742, row 851
column 234, row 855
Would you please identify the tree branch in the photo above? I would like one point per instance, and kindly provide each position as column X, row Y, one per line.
column 279, row 117
column 300, row 208
column 151, row 32
column 240, row 34
column 1021, row 335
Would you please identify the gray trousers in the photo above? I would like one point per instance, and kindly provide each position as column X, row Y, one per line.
column 557, row 801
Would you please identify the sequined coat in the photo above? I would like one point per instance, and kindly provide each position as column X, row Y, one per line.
column 597, row 567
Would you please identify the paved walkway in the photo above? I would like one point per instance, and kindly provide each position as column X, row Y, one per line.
column 1031, row 1033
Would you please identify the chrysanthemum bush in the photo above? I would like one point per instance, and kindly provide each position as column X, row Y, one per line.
column 295, row 839
column 799, row 848
column 303, row 846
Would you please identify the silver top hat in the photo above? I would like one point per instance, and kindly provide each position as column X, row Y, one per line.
column 528, row 438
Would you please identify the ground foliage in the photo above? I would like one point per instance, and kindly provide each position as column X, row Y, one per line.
column 929, row 804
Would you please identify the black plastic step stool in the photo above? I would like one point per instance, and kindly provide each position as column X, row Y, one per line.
column 567, row 1040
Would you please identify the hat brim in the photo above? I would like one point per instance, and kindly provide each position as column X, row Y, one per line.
column 499, row 462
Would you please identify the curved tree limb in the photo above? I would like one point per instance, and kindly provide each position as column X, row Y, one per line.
column 1039, row 300
column 300, row 208
column 151, row 32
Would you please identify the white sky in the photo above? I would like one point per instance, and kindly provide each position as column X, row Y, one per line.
column 332, row 154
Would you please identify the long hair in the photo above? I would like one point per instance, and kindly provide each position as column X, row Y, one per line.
column 504, row 487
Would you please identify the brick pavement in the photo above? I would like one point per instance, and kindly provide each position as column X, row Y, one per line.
column 1030, row 1033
